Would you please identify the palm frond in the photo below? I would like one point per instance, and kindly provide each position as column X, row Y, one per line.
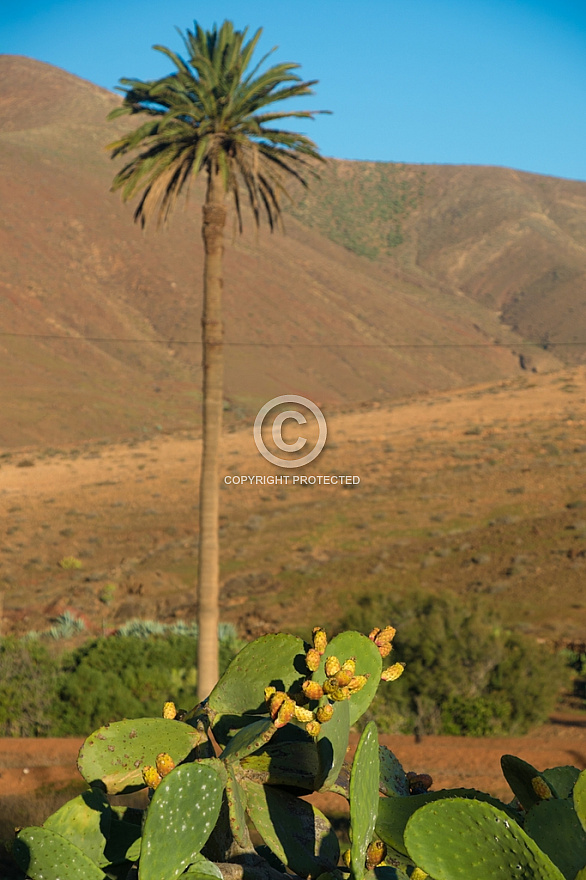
column 209, row 115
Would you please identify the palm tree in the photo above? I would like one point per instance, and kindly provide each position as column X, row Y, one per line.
column 209, row 117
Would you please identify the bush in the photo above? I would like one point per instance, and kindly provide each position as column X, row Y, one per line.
column 128, row 677
column 28, row 687
column 465, row 674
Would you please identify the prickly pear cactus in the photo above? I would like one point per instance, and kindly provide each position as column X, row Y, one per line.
column 292, row 763
column 364, row 782
column 180, row 818
column 275, row 658
column 386, row 872
column 236, row 799
column 395, row 812
column 457, row 839
column 282, row 714
column 124, row 840
column 579, row 797
column 44, row 855
column 202, row 869
column 296, row 831
column 393, row 780
column 248, row 740
column 528, row 784
column 368, row 660
column 86, row 822
column 113, row 756
column 562, row 779
column 556, row 829
column 332, row 743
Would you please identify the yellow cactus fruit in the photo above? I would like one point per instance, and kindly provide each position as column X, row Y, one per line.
column 312, row 690
column 164, row 764
column 541, row 788
column 329, row 685
column 276, row 702
column 375, row 854
column 393, row 672
column 357, row 683
column 383, row 638
column 387, row 634
column 346, row 857
column 419, row 874
column 320, row 640
column 170, row 711
column 269, row 691
column 332, row 666
column 346, row 673
column 285, row 713
column 324, row 713
column 302, row 714
column 151, row 776
column 312, row 659
column 313, row 728
column 339, row 694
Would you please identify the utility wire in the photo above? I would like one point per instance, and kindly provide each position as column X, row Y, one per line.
column 543, row 345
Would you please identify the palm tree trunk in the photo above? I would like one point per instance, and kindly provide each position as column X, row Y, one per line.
column 214, row 219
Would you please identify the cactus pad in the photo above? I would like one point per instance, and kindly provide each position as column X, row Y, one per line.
column 395, row 812
column 393, row 781
column 562, row 779
column 386, row 872
column 521, row 777
column 364, row 797
column 179, row 820
column 84, row 821
column 114, row 755
column 44, row 855
column 202, row 869
column 556, row 829
column 248, row 740
column 123, row 843
column 296, row 831
column 368, row 662
column 286, row 763
column 457, row 839
column 236, row 797
column 332, row 743
column 579, row 796
column 276, row 659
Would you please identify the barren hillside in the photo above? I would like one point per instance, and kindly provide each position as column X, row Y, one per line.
column 99, row 322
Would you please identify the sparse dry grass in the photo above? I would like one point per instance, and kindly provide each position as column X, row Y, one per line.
column 496, row 512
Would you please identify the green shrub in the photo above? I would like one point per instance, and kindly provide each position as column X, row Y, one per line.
column 128, row 676
column 70, row 562
column 28, row 686
column 465, row 674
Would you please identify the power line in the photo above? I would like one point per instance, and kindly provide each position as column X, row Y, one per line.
column 44, row 336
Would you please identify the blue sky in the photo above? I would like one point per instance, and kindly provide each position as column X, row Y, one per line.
column 490, row 82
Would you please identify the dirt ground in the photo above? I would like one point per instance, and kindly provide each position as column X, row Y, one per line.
column 480, row 492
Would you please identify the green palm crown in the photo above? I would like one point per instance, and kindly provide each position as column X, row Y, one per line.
column 210, row 115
